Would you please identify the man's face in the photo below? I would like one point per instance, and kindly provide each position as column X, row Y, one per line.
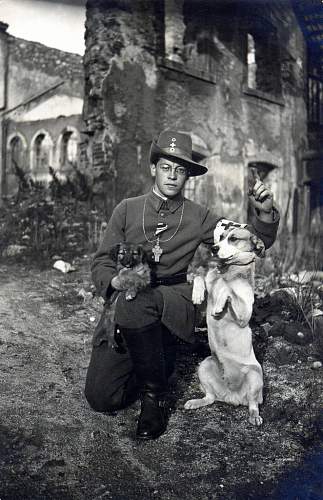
column 170, row 177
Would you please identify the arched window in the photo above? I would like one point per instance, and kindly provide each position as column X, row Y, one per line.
column 16, row 159
column 189, row 37
column 16, row 154
column 41, row 154
column 69, row 148
column 262, row 56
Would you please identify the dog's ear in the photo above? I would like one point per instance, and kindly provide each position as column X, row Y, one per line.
column 148, row 257
column 113, row 253
column 142, row 254
column 258, row 246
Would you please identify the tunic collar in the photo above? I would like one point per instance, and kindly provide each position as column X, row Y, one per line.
column 172, row 203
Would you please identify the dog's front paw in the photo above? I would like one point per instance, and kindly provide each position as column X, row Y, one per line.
column 130, row 294
column 198, row 292
column 255, row 420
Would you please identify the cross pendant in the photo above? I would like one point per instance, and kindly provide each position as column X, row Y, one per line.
column 157, row 251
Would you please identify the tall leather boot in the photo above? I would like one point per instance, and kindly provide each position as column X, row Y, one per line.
column 145, row 346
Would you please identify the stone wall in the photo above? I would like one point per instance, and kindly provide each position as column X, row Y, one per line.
column 42, row 90
column 33, row 68
column 120, row 89
column 136, row 85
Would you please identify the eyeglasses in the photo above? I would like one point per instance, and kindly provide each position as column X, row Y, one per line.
column 182, row 171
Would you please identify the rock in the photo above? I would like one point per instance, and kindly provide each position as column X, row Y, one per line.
column 266, row 327
column 64, row 267
column 297, row 333
column 86, row 296
column 317, row 364
column 13, row 250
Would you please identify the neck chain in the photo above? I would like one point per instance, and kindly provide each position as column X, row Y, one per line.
column 157, row 250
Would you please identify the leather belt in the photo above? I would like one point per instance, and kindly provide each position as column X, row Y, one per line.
column 168, row 280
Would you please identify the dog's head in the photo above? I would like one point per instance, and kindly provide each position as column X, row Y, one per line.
column 128, row 255
column 238, row 246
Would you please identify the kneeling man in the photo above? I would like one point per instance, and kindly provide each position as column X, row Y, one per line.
column 172, row 227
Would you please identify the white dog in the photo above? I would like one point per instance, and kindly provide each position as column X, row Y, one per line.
column 232, row 373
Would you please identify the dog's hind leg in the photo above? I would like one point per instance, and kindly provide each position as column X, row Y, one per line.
column 206, row 372
column 255, row 397
column 193, row 404
column 254, row 417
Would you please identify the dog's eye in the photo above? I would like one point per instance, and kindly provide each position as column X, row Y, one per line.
column 233, row 238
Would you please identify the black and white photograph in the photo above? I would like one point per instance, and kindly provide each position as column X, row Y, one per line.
column 161, row 268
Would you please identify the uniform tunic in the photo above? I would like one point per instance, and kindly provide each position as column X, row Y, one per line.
column 188, row 224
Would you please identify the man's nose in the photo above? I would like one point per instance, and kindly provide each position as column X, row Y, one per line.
column 172, row 174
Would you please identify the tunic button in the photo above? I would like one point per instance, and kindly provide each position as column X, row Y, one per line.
column 162, row 215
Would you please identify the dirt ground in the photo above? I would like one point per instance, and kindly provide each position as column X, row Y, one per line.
column 53, row 446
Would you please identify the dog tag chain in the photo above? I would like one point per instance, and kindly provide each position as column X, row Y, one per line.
column 161, row 227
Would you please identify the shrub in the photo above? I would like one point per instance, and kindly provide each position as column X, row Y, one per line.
column 58, row 217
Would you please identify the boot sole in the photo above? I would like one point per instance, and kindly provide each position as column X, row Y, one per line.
column 149, row 438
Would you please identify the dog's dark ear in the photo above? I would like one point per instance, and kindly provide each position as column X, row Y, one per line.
column 142, row 254
column 149, row 257
column 258, row 246
column 113, row 253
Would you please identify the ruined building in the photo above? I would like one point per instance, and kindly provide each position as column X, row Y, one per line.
column 310, row 17
column 41, row 101
column 233, row 74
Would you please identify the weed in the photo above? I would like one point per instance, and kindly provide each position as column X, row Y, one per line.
column 57, row 217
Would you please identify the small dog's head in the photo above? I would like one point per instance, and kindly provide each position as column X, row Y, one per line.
column 238, row 246
column 128, row 255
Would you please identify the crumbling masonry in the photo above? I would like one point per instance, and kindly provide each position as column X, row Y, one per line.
column 231, row 74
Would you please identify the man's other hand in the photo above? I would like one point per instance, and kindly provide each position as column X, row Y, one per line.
column 260, row 196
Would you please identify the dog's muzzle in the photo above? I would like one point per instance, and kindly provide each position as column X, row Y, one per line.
column 241, row 259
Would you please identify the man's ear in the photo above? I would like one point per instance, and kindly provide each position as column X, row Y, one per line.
column 258, row 246
column 153, row 169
